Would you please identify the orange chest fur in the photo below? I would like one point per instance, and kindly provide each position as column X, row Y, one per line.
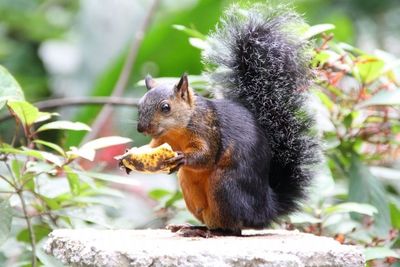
column 197, row 189
column 179, row 139
column 196, row 184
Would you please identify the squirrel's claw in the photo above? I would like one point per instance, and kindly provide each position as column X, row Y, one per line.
column 124, row 168
column 176, row 161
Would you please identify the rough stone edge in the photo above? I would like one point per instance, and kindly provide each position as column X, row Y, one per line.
column 73, row 252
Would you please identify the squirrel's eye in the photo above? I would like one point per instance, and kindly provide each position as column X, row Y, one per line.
column 165, row 107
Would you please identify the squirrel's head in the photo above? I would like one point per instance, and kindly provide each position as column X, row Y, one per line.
column 165, row 107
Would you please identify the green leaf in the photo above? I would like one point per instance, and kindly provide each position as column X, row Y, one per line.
column 45, row 155
column 88, row 154
column 73, row 180
column 174, row 198
column 189, row 31
column 52, row 146
column 16, row 166
column 302, row 217
column 27, row 113
column 383, row 98
column 9, row 88
column 369, row 68
column 341, row 48
column 64, row 125
column 348, row 120
column 26, row 152
column 330, row 140
column 379, row 253
column 395, row 216
column 322, row 57
column 40, row 230
column 5, row 220
column 106, row 142
column 366, row 188
column 88, row 150
column 28, row 180
column 198, row 43
column 51, row 202
column 317, row 29
column 158, row 194
column 365, row 209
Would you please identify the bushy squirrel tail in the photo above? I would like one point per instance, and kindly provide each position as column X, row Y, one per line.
column 256, row 58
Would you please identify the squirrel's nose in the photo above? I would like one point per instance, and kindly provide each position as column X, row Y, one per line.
column 140, row 128
column 143, row 128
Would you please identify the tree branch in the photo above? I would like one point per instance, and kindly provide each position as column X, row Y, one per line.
column 6, row 180
column 94, row 100
column 7, row 192
column 123, row 78
column 78, row 101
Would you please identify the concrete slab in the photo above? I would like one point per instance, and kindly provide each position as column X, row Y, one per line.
column 274, row 248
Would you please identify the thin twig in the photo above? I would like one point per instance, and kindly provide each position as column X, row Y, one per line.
column 11, row 174
column 77, row 101
column 94, row 100
column 47, row 209
column 9, row 182
column 30, row 228
column 123, row 78
column 7, row 192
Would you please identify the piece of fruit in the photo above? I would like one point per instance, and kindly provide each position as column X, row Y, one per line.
column 148, row 160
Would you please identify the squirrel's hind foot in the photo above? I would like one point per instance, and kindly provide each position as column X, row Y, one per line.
column 187, row 230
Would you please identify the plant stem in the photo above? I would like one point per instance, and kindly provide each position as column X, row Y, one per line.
column 91, row 100
column 47, row 209
column 7, row 192
column 123, row 78
column 30, row 228
column 15, row 184
column 7, row 181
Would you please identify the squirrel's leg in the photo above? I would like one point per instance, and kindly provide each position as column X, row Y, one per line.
column 198, row 158
column 197, row 155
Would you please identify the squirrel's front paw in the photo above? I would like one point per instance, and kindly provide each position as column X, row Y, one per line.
column 176, row 161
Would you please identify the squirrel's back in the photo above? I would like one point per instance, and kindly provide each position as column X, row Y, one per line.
column 243, row 192
column 258, row 61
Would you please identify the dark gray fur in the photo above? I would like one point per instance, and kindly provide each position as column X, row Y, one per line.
column 256, row 60
column 244, row 195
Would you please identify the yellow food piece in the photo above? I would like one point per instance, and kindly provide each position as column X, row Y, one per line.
column 148, row 160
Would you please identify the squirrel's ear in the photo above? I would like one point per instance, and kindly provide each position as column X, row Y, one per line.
column 150, row 82
column 183, row 90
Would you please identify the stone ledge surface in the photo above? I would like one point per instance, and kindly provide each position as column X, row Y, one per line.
column 275, row 248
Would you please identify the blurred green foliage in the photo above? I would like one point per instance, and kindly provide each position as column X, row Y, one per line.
column 24, row 25
column 45, row 183
column 162, row 45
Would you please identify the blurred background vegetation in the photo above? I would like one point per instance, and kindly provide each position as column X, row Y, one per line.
column 59, row 49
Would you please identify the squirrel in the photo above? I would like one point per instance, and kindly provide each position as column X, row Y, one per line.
column 246, row 159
